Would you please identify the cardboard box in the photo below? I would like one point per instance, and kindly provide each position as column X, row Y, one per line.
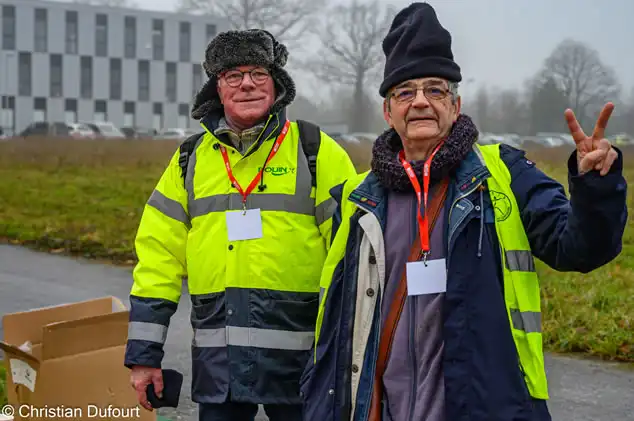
column 75, row 368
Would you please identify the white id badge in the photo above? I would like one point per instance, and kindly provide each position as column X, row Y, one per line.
column 244, row 226
column 430, row 279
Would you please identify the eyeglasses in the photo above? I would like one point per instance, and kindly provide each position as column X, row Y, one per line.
column 258, row 76
column 407, row 94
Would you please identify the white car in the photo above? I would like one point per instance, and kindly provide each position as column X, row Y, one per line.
column 177, row 134
column 81, row 131
column 105, row 129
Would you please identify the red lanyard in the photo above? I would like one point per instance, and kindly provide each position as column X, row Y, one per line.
column 423, row 222
column 256, row 180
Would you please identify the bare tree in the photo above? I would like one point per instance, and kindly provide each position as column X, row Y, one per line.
column 510, row 115
column 287, row 20
column 583, row 79
column 351, row 53
column 482, row 109
column 110, row 3
column 546, row 105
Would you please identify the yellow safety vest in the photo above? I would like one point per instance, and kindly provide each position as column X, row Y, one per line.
column 521, row 284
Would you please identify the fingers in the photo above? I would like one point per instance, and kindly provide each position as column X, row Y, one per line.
column 602, row 121
column 591, row 159
column 139, row 384
column 157, row 379
column 139, row 387
column 600, row 159
column 608, row 161
column 142, row 398
column 573, row 125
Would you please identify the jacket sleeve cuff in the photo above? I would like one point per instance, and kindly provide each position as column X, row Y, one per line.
column 593, row 182
column 144, row 353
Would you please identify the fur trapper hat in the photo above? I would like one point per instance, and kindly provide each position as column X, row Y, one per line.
column 252, row 47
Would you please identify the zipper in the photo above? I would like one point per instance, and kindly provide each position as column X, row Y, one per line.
column 453, row 204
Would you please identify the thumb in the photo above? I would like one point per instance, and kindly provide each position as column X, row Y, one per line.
column 591, row 159
column 157, row 379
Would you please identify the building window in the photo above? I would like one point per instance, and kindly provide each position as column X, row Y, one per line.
column 197, row 78
column 101, row 35
column 71, row 32
column 85, row 84
column 115, row 78
column 129, row 119
column 56, row 75
column 158, row 39
column 170, row 81
column 129, row 37
column 211, row 32
column 8, row 27
column 70, row 110
column 185, row 42
column 8, row 115
column 41, row 30
column 144, row 80
column 101, row 110
column 157, row 119
column 183, row 116
column 25, row 74
column 39, row 109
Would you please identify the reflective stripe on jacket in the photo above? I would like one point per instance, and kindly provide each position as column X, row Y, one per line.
column 491, row 316
column 521, row 283
column 254, row 302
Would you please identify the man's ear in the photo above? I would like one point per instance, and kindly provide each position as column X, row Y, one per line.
column 386, row 113
column 218, row 90
column 458, row 106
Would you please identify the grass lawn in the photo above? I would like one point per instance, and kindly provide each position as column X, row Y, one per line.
column 86, row 198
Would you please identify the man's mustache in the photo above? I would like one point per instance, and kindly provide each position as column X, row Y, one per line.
column 416, row 116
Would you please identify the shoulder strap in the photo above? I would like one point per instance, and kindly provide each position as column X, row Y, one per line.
column 396, row 307
column 186, row 148
column 310, row 136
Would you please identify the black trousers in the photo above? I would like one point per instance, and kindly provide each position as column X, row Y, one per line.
column 231, row 411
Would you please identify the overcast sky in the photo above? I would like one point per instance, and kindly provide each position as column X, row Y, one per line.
column 504, row 42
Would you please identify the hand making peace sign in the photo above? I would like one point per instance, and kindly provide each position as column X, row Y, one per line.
column 594, row 152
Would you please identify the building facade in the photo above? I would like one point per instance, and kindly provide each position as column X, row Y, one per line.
column 72, row 62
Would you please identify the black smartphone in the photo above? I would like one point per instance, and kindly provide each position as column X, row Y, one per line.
column 172, row 382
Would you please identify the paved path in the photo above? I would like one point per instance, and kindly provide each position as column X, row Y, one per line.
column 581, row 390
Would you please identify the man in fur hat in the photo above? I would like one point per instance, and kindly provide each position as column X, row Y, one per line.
column 431, row 308
column 244, row 213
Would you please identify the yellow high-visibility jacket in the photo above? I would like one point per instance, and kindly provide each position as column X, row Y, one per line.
column 254, row 302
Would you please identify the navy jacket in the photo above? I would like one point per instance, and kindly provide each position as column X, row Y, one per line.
column 483, row 379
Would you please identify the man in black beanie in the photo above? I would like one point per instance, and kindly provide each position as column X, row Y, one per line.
column 243, row 212
column 431, row 308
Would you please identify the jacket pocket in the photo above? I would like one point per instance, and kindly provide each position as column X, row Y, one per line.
column 208, row 310
column 293, row 311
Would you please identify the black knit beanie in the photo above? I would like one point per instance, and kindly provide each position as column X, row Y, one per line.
column 417, row 46
column 252, row 47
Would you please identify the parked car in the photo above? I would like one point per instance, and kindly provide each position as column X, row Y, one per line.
column 365, row 137
column 105, row 129
column 622, row 139
column 145, row 132
column 45, row 128
column 556, row 139
column 176, row 134
column 81, row 131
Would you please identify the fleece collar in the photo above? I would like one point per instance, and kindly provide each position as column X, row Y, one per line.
column 389, row 171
